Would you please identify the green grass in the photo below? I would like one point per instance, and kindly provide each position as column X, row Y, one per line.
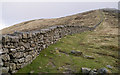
column 77, row 42
column 100, row 44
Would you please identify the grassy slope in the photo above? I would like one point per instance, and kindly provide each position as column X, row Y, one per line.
column 101, row 44
column 77, row 19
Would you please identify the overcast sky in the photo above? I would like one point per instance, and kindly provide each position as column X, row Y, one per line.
column 16, row 12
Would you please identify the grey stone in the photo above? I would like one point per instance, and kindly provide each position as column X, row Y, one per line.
column 5, row 69
column 15, row 39
column 6, row 64
column 24, row 40
column 28, row 58
column 30, row 35
column 95, row 70
column 32, row 49
column 76, row 53
column 102, row 71
column 109, row 66
column 88, row 57
column 85, row 70
column 18, row 55
column 5, row 38
column 1, row 63
column 18, row 66
column 13, row 50
column 31, row 52
column 44, row 46
column 7, row 46
column 44, row 30
column 31, row 71
column 5, row 57
column 4, row 50
column 92, row 73
column 12, row 66
column 21, row 60
column 33, row 45
column 1, row 53
column 25, row 45
column 25, row 54
column 22, row 48
column 24, row 35
column 14, row 71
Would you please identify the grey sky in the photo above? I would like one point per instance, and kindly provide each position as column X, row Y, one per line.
column 16, row 12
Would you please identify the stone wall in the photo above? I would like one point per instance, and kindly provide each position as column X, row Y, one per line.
column 21, row 48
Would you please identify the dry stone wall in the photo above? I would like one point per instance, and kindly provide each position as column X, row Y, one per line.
column 21, row 48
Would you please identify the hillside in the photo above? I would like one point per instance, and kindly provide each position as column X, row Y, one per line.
column 64, row 49
column 77, row 19
column 101, row 44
